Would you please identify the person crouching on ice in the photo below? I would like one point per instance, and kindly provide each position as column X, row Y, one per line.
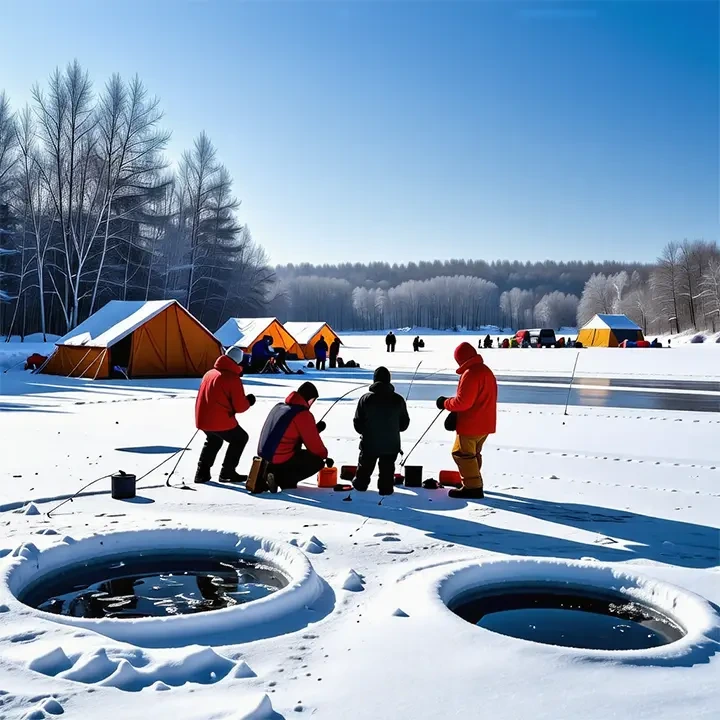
column 475, row 406
column 289, row 426
column 380, row 417
column 220, row 397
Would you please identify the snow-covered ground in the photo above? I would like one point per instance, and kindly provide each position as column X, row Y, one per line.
column 637, row 491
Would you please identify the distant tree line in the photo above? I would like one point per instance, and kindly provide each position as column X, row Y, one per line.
column 680, row 292
column 91, row 210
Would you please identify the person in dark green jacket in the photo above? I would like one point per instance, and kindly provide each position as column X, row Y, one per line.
column 380, row 417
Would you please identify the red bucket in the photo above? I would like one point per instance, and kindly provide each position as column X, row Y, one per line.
column 450, row 477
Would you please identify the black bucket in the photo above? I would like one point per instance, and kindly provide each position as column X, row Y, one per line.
column 413, row 476
column 122, row 486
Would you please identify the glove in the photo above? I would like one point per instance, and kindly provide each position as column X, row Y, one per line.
column 440, row 403
column 320, row 425
column 329, row 462
column 451, row 422
column 251, row 399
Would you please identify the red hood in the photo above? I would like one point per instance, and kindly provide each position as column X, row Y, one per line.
column 466, row 357
column 295, row 398
column 226, row 364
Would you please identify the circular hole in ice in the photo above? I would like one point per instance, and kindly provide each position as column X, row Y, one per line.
column 161, row 582
column 595, row 610
column 149, row 584
column 588, row 618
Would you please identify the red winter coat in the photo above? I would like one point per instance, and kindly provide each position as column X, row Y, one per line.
column 221, row 395
column 302, row 428
column 475, row 401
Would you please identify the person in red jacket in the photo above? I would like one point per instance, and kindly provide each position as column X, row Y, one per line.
column 220, row 397
column 475, row 407
column 289, row 426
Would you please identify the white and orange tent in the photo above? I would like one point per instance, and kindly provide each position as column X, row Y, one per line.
column 154, row 338
column 308, row 333
column 245, row 332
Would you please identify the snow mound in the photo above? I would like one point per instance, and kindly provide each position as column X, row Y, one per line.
column 398, row 612
column 91, row 668
column 52, row 706
column 36, row 714
column 313, row 545
column 125, row 677
column 51, row 663
column 137, row 670
column 312, row 548
column 27, row 551
column 253, row 708
column 47, row 531
column 353, row 581
column 242, row 671
column 29, row 509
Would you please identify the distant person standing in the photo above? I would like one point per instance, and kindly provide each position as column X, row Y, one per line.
column 390, row 341
column 321, row 349
column 416, row 344
column 334, row 352
column 475, row 406
column 220, row 397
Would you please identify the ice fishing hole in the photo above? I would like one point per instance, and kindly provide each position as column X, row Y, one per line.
column 154, row 585
column 571, row 617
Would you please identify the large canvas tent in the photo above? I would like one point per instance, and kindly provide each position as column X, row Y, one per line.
column 609, row 331
column 308, row 333
column 157, row 338
column 245, row 332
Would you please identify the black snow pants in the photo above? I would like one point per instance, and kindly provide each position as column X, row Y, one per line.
column 366, row 467
column 301, row 466
column 236, row 439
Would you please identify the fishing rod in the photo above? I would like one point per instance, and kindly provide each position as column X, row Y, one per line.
column 572, row 377
column 104, row 477
column 352, row 389
column 427, row 429
column 182, row 486
column 412, row 380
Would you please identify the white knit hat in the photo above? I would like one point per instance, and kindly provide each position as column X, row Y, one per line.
column 235, row 353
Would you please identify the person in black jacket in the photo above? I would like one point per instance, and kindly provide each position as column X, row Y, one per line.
column 321, row 349
column 390, row 341
column 380, row 417
column 334, row 352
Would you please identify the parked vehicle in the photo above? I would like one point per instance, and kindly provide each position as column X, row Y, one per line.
column 538, row 337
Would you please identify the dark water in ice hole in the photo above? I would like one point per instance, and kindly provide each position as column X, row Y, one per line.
column 570, row 618
column 154, row 585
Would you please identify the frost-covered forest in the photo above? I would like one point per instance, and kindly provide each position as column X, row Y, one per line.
column 92, row 210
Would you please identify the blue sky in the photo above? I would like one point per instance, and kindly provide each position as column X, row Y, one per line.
column 417, row 130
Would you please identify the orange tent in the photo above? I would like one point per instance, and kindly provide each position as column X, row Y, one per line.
column 245, row 332
column 308, row 333
column 157, row 338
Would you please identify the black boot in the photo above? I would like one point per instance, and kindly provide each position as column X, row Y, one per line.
column 202, row 474
column 386, row 487
column 360, row 485
column 230, row 476
column 467, row 493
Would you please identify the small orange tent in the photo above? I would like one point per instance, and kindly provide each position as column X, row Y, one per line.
column 157, row 338
column 245, row 332
column 308, row 333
